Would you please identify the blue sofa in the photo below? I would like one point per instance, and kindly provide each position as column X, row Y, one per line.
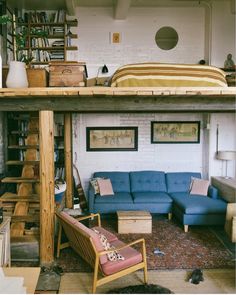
column 159, row 192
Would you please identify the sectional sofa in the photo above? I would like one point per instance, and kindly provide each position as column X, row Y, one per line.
column 159, row 192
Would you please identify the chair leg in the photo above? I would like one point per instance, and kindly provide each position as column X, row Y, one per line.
column 145, row 274
column 59, row 241
column 186, row 228
column 145, row 264
column 169, row 216
column 95, row 276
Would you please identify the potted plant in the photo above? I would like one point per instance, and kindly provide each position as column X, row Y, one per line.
column 17, row 76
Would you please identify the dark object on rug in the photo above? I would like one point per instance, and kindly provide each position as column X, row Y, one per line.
column 55, row 268
column 141, row 289
column 196, row 276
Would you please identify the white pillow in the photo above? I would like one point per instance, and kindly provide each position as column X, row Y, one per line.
column 105, row 187
column 199, row 187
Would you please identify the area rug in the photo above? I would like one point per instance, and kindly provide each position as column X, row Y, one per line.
column 168, row 247
column 217, row 281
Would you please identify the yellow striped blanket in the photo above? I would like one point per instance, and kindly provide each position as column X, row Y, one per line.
column 168, row 75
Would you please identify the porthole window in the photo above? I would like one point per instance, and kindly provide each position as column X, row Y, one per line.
column 166, row 38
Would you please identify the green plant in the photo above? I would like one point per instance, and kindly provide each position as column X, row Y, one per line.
column 21, row 39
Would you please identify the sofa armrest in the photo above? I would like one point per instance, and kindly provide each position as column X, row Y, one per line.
column 213, row 192
column 91, row 197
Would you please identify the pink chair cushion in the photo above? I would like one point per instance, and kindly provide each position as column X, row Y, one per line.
column 95, row 238
column 110, row 236
column 131, row 256
column 68, row 218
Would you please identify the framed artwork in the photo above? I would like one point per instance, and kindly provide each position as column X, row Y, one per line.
column 112, row 139
column 175, row 132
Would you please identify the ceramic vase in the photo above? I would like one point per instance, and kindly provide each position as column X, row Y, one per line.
column 17, row 76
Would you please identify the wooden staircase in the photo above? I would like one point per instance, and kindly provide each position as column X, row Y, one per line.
column 24, row 207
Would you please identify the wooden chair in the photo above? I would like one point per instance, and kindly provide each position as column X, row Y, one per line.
column 86, row 243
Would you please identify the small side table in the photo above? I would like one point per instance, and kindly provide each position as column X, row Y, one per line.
column 227, row 190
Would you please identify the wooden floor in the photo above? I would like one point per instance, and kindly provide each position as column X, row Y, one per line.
column 216, row 281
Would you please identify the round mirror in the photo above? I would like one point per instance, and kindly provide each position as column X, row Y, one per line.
column 166, row 38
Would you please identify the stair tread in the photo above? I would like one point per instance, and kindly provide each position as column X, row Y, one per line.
column 21, row 147
column 19, row 179
column 15, row 198
column 22, row 162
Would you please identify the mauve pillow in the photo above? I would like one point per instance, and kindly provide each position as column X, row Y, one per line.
column 199, row 187
column 105, row 187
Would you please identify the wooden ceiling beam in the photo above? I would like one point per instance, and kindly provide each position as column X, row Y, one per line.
column 121, row 9
column 70, row 6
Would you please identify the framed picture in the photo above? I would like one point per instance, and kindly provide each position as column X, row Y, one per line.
column 175, row 132
column 112, row 138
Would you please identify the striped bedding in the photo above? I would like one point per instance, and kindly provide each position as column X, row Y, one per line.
column 168, row 75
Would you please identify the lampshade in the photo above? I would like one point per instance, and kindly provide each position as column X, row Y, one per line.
column 226, row 155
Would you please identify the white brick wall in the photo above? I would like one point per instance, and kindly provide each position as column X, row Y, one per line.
column 165, row 157
column 138, row 35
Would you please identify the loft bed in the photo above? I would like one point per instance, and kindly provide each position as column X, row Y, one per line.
column 144, row 87
column 168, row 75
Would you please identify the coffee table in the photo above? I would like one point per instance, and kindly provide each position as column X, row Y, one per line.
column 134, row 222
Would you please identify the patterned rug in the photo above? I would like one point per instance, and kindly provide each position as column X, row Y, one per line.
column 175, row 249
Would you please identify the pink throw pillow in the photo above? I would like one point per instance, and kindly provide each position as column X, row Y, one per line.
column 105, row 187
column 199, row 187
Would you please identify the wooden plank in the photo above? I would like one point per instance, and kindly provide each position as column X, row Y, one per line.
column 24, row 218
column 46, row 143
column 11, row 197
column 22, row 163
column 68, row 159
column 30, row 275
column 19, row 180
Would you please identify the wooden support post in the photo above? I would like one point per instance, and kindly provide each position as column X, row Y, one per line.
column 46, row 144
column 68, row 160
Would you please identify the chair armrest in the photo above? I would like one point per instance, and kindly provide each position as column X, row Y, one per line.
column 91, row 216
column 213, row 192
column 123, row 247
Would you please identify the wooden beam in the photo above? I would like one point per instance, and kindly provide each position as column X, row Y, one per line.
column 121, row 9
column 70, row 7
column 123, row 99
column 46, row 143
column 68, row 160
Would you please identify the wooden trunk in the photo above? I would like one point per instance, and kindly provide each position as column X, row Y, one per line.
column 134, row 222
column 64, row 74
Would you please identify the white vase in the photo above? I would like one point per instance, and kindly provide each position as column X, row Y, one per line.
column 17, row 76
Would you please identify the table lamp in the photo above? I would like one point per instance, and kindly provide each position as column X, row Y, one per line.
column 226, row 156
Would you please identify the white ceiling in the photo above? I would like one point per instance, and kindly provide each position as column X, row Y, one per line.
column 120, row 6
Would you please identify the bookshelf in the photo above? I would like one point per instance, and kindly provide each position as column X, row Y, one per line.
column 47, row 36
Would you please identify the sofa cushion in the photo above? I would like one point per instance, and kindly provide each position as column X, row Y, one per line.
column 131, row 256
column 151, row 197
column 68, row 218
column 147, row 181
column 96, row 240
column 180, row 181
column 116, row 198
column 199, row 187
column 196, row 204
column 105, row 187
column 110, row 236
column 119, row 180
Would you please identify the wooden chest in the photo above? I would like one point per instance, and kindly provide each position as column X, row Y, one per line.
column 67, row 74
column 134, row 222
